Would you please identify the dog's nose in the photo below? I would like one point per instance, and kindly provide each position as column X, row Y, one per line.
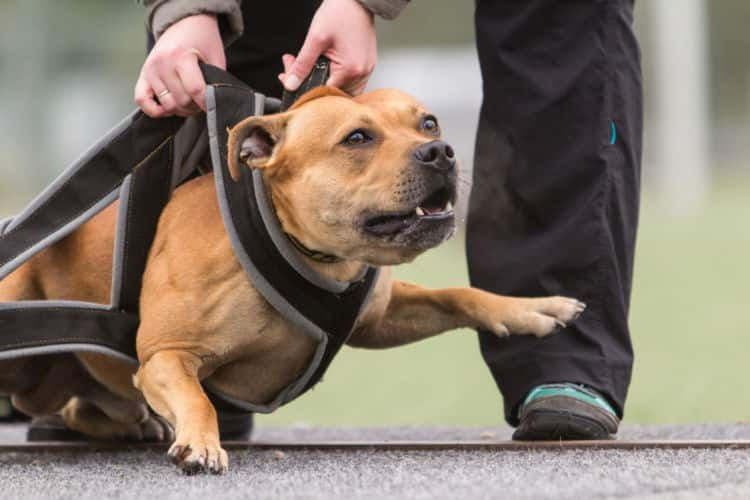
column 436, row 154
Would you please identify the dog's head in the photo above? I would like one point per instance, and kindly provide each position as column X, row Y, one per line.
column 366, row 178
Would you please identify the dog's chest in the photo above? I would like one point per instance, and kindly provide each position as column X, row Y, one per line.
column 263, row 353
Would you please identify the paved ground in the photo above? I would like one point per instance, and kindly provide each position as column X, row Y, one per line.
column 688, row 474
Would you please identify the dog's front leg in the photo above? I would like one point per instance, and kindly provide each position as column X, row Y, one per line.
column 169, row 381
column 411, row 313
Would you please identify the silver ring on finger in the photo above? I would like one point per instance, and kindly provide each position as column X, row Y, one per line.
column 162, row 93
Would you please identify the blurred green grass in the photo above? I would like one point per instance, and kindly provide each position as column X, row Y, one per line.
column 689, row 318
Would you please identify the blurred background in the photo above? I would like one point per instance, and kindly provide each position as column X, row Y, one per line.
column 67, row 70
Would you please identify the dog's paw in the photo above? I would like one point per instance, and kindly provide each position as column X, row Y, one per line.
column 539, row 317
column 197, row 454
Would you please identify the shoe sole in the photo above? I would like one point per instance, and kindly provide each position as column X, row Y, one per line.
column 564, row 418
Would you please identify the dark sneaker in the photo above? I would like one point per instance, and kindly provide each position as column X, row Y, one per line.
column 552, row 412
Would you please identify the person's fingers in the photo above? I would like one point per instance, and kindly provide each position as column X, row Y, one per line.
column 145, row 98
column 177, row 101
column 352, row 81
column 288, row 61
column 314, row 46
column 163, row 95
column 193, row 84
column 357, row 88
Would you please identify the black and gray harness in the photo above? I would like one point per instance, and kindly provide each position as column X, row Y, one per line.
column 140, row 162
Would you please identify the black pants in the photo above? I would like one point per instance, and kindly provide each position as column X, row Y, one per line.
column 554, row 207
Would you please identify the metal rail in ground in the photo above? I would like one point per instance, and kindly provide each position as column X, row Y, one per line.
column 483, row 445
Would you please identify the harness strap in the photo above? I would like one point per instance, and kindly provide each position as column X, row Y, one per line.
column 148, row 194
column 318, row 76
column 83, row 190
column 45, row 327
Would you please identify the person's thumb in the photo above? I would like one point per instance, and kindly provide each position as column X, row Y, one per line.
column 303, row 65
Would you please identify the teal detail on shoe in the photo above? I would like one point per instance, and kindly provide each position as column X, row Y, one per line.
column 613, row 138
column 576, row 391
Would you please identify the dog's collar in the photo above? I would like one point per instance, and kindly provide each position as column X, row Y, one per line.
column 259, row 200
column 315, row 255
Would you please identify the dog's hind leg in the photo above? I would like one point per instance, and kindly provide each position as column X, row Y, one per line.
column 88, row 419
column 41, row 385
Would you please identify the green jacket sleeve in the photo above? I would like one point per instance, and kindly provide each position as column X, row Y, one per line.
column 161, row 14
column 387, row 9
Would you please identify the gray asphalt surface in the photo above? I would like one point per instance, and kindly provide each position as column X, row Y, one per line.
column 682, row 474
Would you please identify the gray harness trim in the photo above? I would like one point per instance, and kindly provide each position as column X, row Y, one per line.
column 63, row 348
column 4, row 223
column 56, row 236
column 119, row 250
column 60, row 348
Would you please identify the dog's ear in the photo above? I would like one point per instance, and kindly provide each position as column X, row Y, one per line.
column 253, row 142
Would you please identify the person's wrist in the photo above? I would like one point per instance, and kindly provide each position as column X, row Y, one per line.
column 367, row 11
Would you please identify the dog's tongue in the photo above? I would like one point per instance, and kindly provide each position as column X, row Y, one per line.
column 430, row 210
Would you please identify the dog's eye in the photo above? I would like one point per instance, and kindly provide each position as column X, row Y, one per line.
column 430, row 124
column 357, row 138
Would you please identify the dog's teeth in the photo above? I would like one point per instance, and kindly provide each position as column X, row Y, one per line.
column 420, row 212
column 448, row 206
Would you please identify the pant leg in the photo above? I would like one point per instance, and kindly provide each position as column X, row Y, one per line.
column 554, row 206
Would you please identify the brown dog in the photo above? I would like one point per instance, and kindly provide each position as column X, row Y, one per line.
column 366, row 179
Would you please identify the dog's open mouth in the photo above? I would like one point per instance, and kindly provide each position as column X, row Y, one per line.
column 436, row 206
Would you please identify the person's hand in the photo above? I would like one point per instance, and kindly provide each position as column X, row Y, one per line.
column 171, row 82
column 343, row 31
